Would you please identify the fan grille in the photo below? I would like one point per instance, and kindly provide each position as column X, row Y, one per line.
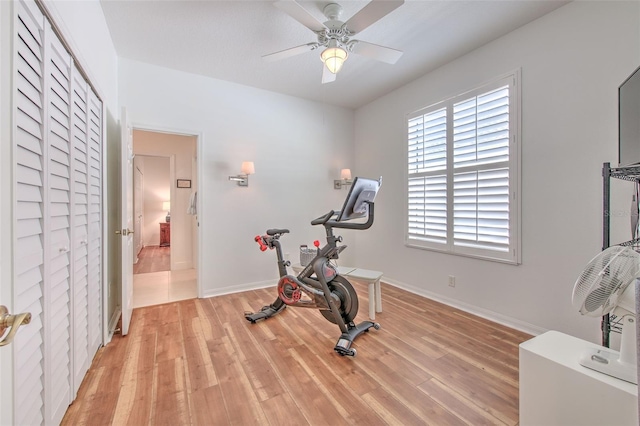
column 604, row 279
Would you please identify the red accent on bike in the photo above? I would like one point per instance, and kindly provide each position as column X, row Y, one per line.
column 316, row 243
column 328, row 271
column 288, row 290
column 258, row 239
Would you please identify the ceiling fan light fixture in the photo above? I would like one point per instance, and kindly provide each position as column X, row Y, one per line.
column 334, row 56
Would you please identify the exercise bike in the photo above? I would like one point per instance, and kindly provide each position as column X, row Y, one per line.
column 319, row 285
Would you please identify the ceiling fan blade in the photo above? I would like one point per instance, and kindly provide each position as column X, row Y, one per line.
column 372, row 12
column 300, row 14
column 327, row 76
column 374, row 51
column 287, row 53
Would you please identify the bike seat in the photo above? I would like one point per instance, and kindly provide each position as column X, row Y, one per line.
column 277, row 231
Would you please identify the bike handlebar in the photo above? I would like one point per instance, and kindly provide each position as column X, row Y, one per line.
column 267, row 241
column 323, row 219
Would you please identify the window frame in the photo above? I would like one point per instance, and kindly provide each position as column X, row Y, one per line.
column 513, row 253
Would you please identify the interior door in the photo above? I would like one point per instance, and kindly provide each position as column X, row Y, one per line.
column 81, row 351
column 49, row 155
column 126, row 225
column 62, row 193
column 96, row 221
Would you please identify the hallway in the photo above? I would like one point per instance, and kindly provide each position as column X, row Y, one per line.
column 154, row 283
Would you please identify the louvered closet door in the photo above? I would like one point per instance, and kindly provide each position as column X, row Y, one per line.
column 80, row 228
column 29, row 215
column 95, row 223
column 58, row 238
column 58, row 148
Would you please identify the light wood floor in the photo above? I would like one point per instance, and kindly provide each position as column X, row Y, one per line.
column 200, row 362
column 153, row 259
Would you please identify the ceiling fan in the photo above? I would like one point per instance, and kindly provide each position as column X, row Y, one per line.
column 335, row 35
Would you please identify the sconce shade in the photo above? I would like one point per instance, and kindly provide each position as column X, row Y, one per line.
column 345, row 179
column 166, row 205
column 243, row 178
column 334, row 56
column 248, row 168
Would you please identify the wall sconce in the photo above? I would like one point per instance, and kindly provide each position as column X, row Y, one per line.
column 246, row 170
column 166, row 205
column 345, row 179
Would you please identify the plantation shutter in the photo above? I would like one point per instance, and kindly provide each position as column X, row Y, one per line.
column 57, row 246
column 428, row 208
column 481, row 197
column 427, row 185
column 428, row 142
column 460, row 176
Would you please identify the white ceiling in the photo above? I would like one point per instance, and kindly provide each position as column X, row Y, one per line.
column 226, row 39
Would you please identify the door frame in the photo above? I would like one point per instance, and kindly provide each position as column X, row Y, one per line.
column 138, row 207
column 199, row 144
column 6, row 192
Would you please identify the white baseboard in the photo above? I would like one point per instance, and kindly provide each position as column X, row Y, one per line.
column 179, row 266
column 475, row 310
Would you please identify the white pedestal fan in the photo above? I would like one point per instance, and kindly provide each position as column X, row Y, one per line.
column 604, row 287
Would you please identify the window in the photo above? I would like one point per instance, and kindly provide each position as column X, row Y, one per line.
column 463, row 175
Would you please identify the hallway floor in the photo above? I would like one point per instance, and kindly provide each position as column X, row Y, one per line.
column 154, row 283
column 155, row 288
column 153, row 259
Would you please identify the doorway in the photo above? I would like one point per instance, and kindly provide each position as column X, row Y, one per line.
column 151, row 214
column 165, row 241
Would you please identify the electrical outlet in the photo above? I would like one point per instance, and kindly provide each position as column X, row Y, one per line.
column 452, row 281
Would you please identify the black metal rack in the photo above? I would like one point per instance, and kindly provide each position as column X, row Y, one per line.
column 631, row 174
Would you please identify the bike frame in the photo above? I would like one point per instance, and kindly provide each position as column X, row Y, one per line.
column 317, row 288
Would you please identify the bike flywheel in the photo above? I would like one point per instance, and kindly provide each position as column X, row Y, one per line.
column 344, row 291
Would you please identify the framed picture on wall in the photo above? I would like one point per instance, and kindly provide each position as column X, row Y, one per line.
column 184, row 183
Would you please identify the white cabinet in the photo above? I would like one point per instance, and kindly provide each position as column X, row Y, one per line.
column 556, row 390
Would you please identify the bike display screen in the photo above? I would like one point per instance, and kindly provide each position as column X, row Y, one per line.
column 361, row 191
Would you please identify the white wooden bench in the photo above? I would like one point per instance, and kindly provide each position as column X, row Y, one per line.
column 372, row 278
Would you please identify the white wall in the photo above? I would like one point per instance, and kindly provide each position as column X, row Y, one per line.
column 572, row 62
column 298, row 148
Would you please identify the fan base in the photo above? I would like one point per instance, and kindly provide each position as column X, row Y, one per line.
column 608, row 362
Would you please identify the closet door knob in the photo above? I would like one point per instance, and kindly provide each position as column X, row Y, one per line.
column 11, row 321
